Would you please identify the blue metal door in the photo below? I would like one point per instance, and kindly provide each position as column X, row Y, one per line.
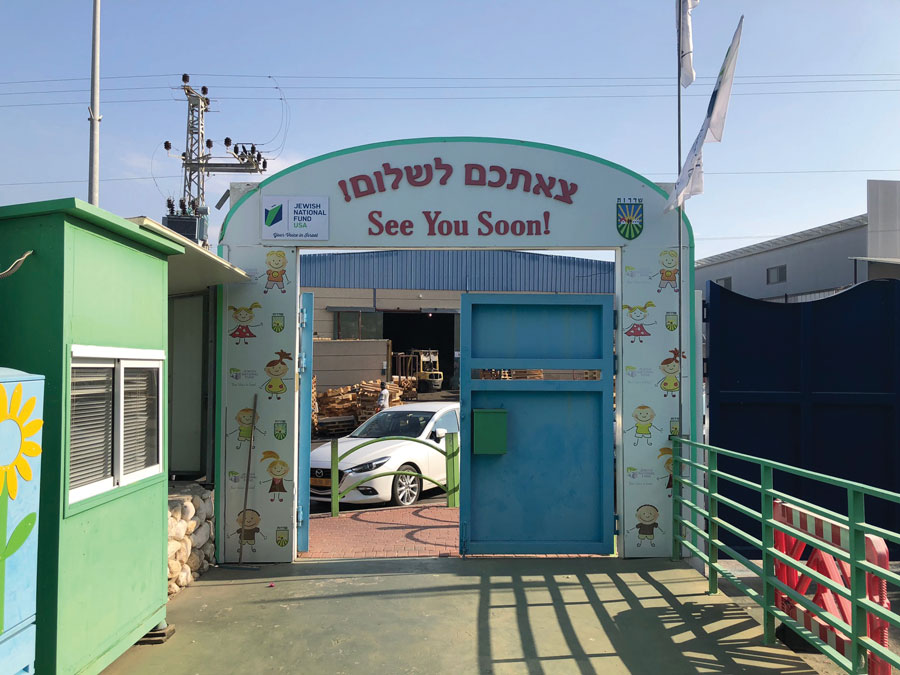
column 536, row 469
column 304, row 428
column 812, row 384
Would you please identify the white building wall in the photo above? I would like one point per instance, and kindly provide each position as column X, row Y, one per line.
column 883, row 200
column 813, row 265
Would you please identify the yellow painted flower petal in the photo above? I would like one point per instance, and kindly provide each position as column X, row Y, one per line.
column 27, row 409
column 15, row 401
column 30, row 448
column 3, row 408
column 32, row 428
column 22, row 465
column 12, row 482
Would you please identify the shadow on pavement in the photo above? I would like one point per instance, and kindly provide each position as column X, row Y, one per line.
column 454, row 615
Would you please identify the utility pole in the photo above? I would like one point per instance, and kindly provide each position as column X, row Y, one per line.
column 192, row 216
column 94, row 113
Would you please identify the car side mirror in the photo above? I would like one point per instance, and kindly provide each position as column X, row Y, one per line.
column 439, row 434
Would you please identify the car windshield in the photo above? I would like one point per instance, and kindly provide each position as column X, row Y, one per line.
column 409, row 423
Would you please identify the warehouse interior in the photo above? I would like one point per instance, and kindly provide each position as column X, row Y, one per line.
column 411, row 299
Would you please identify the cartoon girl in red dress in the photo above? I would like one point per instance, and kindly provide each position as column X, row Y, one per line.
column 638, row 316
column 278, row 469
column 243, row 316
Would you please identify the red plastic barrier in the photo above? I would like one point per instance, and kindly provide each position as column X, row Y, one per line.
column 838, row 571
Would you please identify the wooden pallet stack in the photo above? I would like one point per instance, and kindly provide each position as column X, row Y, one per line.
column 408, row 387
column 338, row 402
column 315, row 406
column 524, row 375
column 367, row 397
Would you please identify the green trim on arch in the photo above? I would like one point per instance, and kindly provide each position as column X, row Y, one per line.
column 449, row 139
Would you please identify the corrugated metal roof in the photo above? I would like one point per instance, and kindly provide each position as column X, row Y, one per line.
column 496, row 271
column 788, row 240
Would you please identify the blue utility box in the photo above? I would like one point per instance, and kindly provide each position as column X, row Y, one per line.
column 21, row 419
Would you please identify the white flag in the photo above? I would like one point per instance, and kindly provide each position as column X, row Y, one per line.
column 718, row 102
column 686, row 45
column 690, row 180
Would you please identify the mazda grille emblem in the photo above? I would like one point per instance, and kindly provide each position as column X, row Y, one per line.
column 319, row 473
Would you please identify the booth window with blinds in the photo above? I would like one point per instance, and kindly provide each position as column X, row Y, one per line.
column 115, row 419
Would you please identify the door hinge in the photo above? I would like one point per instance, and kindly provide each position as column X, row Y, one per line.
column 615, row 319
column 615, row 364
column 615, row 523
column 301, row 362
column 705, row 367
column 705, row 312
column 302, row 317
column 299, row 515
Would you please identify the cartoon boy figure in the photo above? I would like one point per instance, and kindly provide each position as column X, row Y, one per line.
column 246, row 424
column 643, row 422
column 248, row 528
column 276, row 276
column 647, row 515
column 668, row 272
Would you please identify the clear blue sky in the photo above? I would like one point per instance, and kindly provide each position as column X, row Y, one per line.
column 374, row 48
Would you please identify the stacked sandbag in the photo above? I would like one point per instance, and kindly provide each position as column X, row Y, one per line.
column 192, row 534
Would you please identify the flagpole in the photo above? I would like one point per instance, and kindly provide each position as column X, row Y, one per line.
column 680, row 15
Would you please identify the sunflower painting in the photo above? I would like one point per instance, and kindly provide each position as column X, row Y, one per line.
column 17, row 445
column 18, row 466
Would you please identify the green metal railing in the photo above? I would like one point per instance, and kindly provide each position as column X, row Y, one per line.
column 451, row 455
column 694, row 525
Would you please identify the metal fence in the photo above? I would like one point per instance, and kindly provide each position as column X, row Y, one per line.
column 842, row 629
column 451, row 455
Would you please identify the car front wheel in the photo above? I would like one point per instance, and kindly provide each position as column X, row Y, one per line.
column 407, row 489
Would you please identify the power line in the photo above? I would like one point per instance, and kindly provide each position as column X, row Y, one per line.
column 455, row 98
column 435, row 86
column 648, row 174
column 83, row 180
column 441, row 78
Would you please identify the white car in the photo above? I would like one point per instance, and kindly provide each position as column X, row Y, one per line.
column 428, row 422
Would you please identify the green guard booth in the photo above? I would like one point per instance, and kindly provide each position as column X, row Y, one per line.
column 88, row 309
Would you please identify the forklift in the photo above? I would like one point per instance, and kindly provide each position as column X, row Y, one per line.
column 429, row 376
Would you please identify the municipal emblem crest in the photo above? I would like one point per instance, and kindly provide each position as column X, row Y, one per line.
column 630, row 219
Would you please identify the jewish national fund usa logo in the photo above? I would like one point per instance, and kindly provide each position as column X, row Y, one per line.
column 274, row 214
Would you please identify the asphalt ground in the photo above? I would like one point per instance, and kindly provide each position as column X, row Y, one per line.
column 452, row 615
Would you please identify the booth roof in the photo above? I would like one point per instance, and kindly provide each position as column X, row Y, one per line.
column 96, row 216
column 197, row 268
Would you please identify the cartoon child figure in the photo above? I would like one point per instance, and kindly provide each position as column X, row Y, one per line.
column 638, row 316
column 276, row 276
column 667, row 452
column 647, row 515
column 278, row 469
column 243, row 317
column 668, row 272
column 248, row 528
column 276, row 369
column 670, row 367
column 643, row 422
column 246, row 425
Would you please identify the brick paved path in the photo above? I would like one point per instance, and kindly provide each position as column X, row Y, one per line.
column 407, row 532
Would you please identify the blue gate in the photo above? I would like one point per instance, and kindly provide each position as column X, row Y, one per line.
column 304, row 428
column 815, row 385
column 536, row 460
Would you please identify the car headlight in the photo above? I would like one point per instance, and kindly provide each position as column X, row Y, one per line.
column 368, row 466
